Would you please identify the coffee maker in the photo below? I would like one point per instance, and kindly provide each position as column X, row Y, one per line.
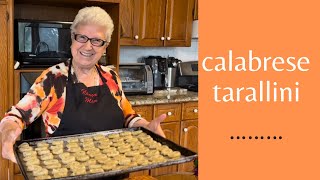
column 159, row 66
column 170, row 80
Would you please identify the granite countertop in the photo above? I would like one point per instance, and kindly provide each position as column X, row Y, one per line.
column 175, row 95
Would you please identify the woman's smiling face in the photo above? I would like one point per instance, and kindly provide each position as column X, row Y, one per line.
column 86, row 55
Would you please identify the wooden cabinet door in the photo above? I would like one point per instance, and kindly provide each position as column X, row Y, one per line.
column 151, row 25
column 144, row 111
column 189, row 139
column 178, row 23
column 171, row 130
column 190, row 110
column 129, row 22
column 173, row 111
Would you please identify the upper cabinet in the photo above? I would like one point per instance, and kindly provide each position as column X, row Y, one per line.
column 178, row 23
column 129, row 13
column 152, row 22
column 159, row 22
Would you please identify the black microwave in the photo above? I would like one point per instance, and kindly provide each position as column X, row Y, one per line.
column 41, row 43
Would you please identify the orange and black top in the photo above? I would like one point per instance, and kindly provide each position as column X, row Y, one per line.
column 47, row 97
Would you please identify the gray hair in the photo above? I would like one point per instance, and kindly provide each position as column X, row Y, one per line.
column 94, row 15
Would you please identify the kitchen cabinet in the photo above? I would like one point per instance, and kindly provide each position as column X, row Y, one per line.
column 189, row 139
column 171, row 131
column 165, row 22
column 189, row 132
column 145, row 112
column 151, row 24
column 180, row 126
column 189, row 110
column 173, row 111
column 129, row 18
column 178, row 24
column 161, row 22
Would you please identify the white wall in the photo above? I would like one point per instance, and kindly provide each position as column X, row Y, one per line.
column 133, row 54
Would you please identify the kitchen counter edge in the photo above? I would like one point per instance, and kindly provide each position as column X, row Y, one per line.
column 162, row 99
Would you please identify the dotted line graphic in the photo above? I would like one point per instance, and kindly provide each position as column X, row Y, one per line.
column 256, row 137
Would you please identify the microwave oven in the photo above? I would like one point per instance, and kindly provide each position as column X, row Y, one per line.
column 136, row 78
column 41, row 43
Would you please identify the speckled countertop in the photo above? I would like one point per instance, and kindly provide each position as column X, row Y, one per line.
column 164, row 96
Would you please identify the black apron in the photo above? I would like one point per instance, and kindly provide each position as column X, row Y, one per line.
column 89, row 109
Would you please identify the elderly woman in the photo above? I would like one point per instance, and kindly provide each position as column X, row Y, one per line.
column 77, row 96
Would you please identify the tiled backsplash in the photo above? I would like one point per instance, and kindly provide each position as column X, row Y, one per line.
column 133, row 54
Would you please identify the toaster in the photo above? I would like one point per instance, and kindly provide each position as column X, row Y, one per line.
column 136, row 78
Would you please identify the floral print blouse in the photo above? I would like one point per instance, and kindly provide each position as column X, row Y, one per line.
column 47, row 96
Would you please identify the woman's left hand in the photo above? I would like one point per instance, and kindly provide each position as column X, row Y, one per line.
column 154, row 125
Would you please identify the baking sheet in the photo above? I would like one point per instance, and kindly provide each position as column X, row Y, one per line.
column 186, row 155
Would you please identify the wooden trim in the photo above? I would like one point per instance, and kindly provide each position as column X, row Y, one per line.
column 195, row 11
column 11, row 79
column 66, row 2
column 4, row 164
column 10, row 53
column 105, row 1
column 113, row 50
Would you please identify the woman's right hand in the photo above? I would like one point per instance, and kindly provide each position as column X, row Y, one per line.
column 9, row 132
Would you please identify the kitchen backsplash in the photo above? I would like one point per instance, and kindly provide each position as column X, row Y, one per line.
column 133, row 54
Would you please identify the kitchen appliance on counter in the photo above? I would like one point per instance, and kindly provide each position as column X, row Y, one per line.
column 188, row 75
column 136, row 78
column 41, row 43
column 164, row 71
column 159, row 66
column 170, row 78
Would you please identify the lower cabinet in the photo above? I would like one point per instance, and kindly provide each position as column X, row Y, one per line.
column 144, row 111
column 16, row 173
column 171, row 130
column 181, row 127
column 139, row 173
column 188, row 139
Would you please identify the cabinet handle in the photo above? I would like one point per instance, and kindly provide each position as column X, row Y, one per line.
column 136, row 37
column 195, row 110
column 162, row 38
column 168, row 38
column 169, row 113
column 185, row 129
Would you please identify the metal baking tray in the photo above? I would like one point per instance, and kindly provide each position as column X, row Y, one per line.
column 186, row 154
